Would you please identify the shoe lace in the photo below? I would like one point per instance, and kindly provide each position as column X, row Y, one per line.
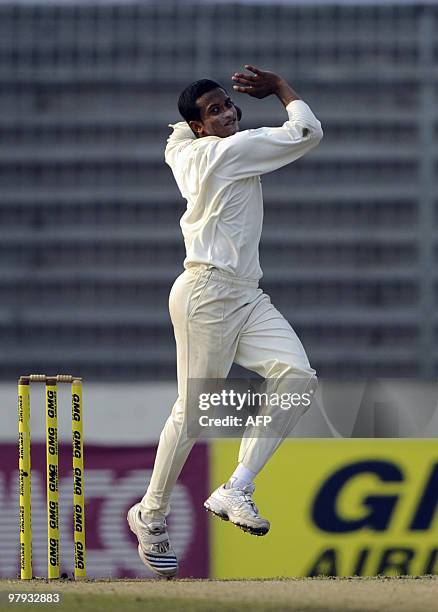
column 159, row 547
column 248, row 501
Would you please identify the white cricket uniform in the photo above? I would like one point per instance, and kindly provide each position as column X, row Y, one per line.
column 219, row 313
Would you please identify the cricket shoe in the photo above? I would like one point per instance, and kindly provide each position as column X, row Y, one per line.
column 236, row 505
column 154, row 547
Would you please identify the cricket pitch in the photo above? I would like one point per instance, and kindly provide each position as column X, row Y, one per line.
column 392, row 594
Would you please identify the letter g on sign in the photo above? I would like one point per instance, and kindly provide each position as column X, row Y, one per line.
column 379, row 507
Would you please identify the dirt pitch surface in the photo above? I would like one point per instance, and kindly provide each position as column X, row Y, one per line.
column 293, row 595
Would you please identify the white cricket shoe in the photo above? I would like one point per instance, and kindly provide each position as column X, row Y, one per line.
column 154, row 547
column 237, row 506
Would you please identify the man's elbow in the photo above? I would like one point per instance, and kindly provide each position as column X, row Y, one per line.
column 312, row 133
column 317, row 134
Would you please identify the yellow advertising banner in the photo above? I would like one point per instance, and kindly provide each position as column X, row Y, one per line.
column 337, row 508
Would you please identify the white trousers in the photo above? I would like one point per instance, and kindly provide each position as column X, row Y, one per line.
column 219, row 319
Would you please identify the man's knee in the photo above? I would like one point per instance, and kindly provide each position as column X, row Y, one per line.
column 284, row 369
column 296, row 379
column 303, row 384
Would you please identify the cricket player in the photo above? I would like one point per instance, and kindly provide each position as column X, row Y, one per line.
column 219, row 313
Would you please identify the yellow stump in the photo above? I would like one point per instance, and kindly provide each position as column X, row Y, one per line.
column 52, row 479
column 78, row 480
column 25, row 478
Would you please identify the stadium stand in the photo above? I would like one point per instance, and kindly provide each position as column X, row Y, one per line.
column 89, row 235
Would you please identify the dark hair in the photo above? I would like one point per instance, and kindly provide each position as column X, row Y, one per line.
column 187, row 100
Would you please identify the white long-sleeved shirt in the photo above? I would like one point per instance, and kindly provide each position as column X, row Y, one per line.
column 220, row 179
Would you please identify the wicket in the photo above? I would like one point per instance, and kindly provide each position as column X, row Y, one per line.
column 52, row 474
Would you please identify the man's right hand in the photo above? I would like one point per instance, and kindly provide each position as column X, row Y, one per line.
column 263, row 83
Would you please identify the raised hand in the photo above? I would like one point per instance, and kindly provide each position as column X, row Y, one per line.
column 261, row 84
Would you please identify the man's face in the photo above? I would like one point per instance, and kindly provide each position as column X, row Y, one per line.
column 218, row 115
